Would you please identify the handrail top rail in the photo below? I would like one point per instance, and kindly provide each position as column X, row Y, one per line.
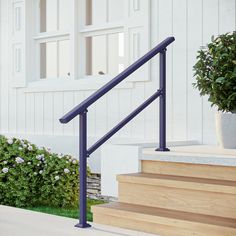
column 82, row 107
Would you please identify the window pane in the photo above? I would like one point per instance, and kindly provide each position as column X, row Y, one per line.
column 88, row 20
column 65, row 12
column 105, row 54
column 48, row 15
column 121, row 44
column 115, row 53
column 102, row 11
column 99, row 13
column 48, row 60
column 115, row 10
column 99, row 55
column 121, row 53
column 55, row 59
column 113, row 58
column 64, row 58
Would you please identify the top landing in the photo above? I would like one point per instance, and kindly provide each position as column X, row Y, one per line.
column 195, row 154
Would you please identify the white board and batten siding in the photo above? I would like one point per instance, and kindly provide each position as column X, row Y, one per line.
column 35, row 113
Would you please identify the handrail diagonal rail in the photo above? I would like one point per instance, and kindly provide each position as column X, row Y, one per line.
column 81, row 110
column 123, row 122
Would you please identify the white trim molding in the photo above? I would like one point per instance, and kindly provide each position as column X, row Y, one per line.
column 83, row 84
column 17, row 35
column 51, row 36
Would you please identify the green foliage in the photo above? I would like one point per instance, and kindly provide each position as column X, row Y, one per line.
column 31, row 176
column 215, row 72
column 67, row 212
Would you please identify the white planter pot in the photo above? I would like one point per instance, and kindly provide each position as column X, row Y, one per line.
column 226, row 129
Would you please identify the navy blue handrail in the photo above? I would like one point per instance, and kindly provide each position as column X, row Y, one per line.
column 119, row 78
column 81, row 110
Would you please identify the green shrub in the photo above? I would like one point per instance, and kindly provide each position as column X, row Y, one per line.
column 31, row 176
column 215, row 72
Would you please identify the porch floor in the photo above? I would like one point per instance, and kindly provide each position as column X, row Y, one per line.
column 19, row 222
column 195, row 154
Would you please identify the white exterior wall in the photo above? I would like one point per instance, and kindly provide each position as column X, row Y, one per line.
column 189, row 116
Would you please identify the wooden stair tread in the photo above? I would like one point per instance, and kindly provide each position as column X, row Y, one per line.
column 153, row 214
column 180, row 178
column 213, row 185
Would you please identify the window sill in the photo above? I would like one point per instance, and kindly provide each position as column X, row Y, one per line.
column 83, row 84
column 51, row 36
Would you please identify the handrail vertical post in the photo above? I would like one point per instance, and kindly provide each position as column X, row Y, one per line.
column 162, row 122
column 83, row 170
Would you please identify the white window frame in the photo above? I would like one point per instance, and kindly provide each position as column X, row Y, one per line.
column 45, row 37
column 87, row 31
column 78, row 32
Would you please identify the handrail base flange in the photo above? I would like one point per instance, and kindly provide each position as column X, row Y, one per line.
column 162, row 149
column 86, row 225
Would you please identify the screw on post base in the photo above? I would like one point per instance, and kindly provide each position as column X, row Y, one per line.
column 82, row 225
column 162, row 150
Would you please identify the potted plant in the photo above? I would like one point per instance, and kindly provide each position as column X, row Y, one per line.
column 215, row 72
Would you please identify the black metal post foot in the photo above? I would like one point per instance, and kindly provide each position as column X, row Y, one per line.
column 162, row 150
column 82, row 225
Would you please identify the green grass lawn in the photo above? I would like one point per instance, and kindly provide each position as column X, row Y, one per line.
column 71, row 213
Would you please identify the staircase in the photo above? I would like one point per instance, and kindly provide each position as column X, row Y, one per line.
column 166, row 198
column 174, row 199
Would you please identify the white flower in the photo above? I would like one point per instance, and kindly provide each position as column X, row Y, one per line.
column 60, row 155
column 29, row 163
column 73, row 173
column 38, row 164
column 40, row 172
column 70, row 160
column 74, row 161
column 24, row 146
column 35, row 173
column 57, row 177
column 20, row 148
column 40, row 157
column 10, row 141
column 66, row 170
column 5, row 170
column 30, row 148
column 19, row 160
column 5, row 162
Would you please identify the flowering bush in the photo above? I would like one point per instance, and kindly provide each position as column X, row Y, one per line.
column 31, row 176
